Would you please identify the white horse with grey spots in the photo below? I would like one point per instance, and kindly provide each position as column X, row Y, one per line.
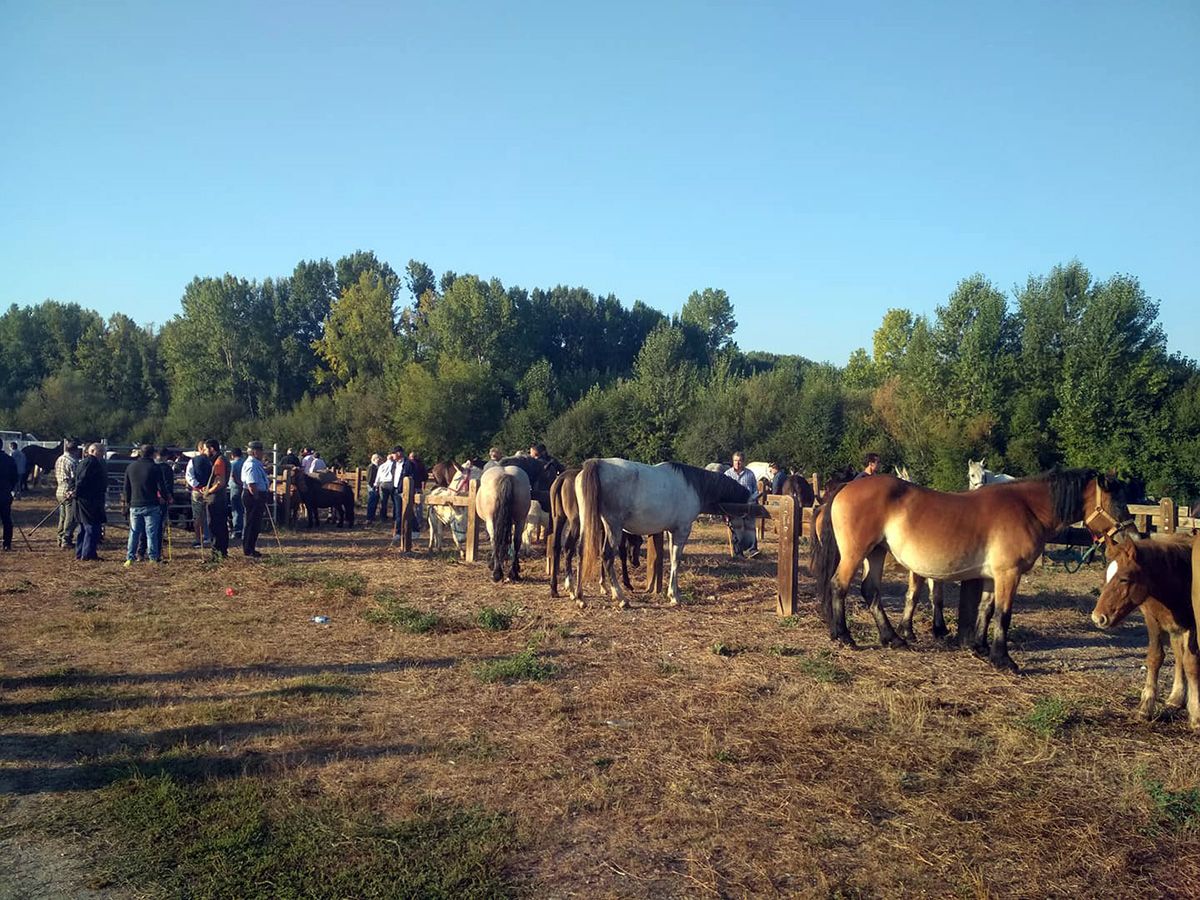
column 616, row 495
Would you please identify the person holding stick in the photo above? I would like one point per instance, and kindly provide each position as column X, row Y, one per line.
column 255, row 490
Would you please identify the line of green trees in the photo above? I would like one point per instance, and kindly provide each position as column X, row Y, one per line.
column 352, row 356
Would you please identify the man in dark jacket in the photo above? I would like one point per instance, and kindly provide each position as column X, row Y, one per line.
column 8, row 482
column 143, row 497
column 91, row 484
column 215, row 498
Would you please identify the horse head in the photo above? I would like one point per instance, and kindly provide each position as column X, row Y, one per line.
column 975, row 474
column 1125, row 586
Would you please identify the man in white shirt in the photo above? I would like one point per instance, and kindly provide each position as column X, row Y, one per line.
column 384, row 477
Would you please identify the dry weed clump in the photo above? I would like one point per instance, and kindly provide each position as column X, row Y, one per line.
column 648, row 765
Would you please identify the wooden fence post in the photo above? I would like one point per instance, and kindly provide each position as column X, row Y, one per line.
column 654, row 564
column 816, row 485
column 472, row 524
column 787, row 512
column 358, row 495
column 1170, row 520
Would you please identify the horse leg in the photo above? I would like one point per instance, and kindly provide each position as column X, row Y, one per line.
column 1005, row 592
column 1154, row 658
column 937, row 603
column 1191, row 670
column 839, row 630
column 910, row 606
column 983, row 619
column 679, row 537
column 874, row 597
column 515, row 571
column 624, row 552
column 612, row 537
column 1178, row 695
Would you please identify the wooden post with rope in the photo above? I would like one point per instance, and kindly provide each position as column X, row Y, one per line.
column 406, row 510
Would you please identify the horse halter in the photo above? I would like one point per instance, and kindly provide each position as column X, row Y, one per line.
column 1100, row 521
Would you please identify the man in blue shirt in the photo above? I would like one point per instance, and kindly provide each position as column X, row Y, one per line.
column 255, row 496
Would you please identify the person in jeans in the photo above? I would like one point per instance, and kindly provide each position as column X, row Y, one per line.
column 255, row 490
column 372, row 488
column 64, row 475
column 199, row 467
column 143, row 497
column 383, row 481
column 237, row 511
column 18, row 457
column 167, row 493
column 215, row 495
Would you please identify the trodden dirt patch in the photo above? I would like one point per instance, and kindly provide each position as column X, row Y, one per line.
column 712, row 749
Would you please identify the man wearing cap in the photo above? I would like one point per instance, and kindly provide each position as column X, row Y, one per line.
column 64, row 474
column 254, row 497
column 143, row 495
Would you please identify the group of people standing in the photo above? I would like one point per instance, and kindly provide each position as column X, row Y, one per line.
column 220, row 488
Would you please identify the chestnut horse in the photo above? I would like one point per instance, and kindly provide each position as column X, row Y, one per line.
column 991, row 536
column 1157, row 576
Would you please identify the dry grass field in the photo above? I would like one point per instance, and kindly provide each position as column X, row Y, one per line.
column 443, row 736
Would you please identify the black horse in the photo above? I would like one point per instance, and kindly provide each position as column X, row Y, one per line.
column 316, row 495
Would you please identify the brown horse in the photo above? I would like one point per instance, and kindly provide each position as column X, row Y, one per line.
column 1158, row 577
column 40, row 460
column 991, row 536
column 443, row 473
column 316, row 495
column 564, row 513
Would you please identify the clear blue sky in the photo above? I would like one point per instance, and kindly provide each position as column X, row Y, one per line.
column 821, row 166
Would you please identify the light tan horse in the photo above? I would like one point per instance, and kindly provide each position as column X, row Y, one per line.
column 992, row 536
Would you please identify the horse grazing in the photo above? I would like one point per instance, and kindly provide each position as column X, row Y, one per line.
column 564, row 513
column 502, row 501
column 317, row 494
column 978, row 476
column 991, row 536
column 616, row 495
column 1157, row 576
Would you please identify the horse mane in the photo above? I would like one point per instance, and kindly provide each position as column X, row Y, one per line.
column 711, row 487
column 1067, row 487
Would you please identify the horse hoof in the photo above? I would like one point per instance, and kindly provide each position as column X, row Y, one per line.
column 941, row 632
column 674, row 601
column 846, row 640
column 896, row 642
column 581, row 604
column 496, row 576
column 623, row 604
column 1005, row 663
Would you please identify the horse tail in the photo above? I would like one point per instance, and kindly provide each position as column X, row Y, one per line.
column 348, row 500
column 589, row 513
column 826, row 557
column 502, row 519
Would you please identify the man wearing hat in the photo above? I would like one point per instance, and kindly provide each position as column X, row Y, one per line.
column 255, row 495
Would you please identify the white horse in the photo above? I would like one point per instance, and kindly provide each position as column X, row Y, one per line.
column 978, row 476
column 446, row 518
column 502, row 501
column 616, row 495
column 538, row 521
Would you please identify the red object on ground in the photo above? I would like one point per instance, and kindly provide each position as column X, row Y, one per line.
column 229, row 592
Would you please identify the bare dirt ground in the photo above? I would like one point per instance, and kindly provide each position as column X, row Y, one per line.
column 708, row 750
